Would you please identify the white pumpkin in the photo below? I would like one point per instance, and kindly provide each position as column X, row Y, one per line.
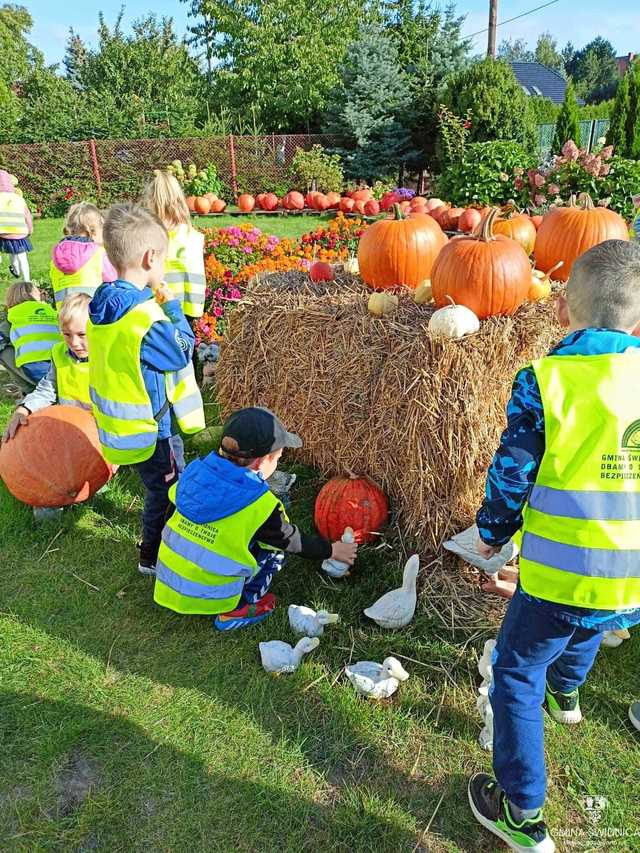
column 454, row 321
column 352, row 266
column 382, row 303
column 423, row 292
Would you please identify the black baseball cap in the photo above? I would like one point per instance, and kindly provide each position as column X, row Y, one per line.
column 254, row 432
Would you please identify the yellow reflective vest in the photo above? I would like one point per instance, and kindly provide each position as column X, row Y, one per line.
column 34, row 331
column 127, row 425
column 202, row 568
column 184, row 268
column 581, row 529
column 72, row 378
column 13, row 221
column 85, row 280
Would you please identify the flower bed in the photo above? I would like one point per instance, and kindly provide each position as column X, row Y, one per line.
column 235, row 254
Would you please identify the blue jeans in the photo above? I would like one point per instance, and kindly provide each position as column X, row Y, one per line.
column 534, row 646
column 158, row 474
column 269, row 564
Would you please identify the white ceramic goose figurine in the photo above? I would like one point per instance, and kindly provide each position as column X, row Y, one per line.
column 396, row 608
column 278, row 657
column 379, row 681
column 335, row 568
column 304, row 620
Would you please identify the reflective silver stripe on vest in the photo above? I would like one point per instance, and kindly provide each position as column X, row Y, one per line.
column 590, row 562
column 186, row 405
column 203, row 557
column 138, row 441
column 597, row 506
column 122, row 411
column 34, row 346
column 12, row 219
column 64, row 292
column 179, row 276
column 35, row 329
column 191, row 589
column 63, row 401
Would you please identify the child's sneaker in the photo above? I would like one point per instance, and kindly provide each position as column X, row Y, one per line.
column 248, row 614
column 634, row 714
column 146, row 567
column 490, row 807
column 564, row 707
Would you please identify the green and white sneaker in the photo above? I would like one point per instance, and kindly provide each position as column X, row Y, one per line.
column 564, row 707
column 490, row 807
column 634, row 714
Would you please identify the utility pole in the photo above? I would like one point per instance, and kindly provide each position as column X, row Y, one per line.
column 493, row 23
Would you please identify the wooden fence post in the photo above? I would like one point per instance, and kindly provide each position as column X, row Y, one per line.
column 95, row 165
column 234, row 174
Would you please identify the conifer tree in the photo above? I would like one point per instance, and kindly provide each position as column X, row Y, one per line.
column 568, row 123
column 617, row 133
column 633, row 113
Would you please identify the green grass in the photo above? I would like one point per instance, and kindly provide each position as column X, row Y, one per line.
column 47, row 232
column 124, row 727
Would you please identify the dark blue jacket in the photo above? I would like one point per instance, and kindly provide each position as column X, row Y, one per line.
column 515, row 465
column 165, row 347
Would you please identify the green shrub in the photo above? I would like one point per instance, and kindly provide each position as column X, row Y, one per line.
column 485, row 174
column 620, row 184
column 544, row 110
column 316, row 164
column 568, row 123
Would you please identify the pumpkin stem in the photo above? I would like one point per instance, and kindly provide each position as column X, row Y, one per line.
column 484, row 231
column 555, row 267
column 586, row 202
column 398, row 212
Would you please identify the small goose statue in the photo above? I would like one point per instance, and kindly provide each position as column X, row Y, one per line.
column 396, row 608
column 376, row 680
column 304, row 620
column 279, row 658
column 335, row 568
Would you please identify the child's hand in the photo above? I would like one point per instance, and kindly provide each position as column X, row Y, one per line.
column 485, row 551
column 163, row 294
column 18, row 419
column 345, row 552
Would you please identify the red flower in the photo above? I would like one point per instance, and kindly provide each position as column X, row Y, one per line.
column 68, row 194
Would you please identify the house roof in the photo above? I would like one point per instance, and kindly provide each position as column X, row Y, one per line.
column 537, row 79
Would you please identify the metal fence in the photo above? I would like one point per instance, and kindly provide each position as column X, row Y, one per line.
column 590, row 132
column 110, row 169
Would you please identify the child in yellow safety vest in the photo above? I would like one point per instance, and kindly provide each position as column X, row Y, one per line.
column 34, row 331
column 567, row 475
column 226, row 540
column 67, row 381
column 16, row 226
column 184, row 262
column 79, row 262
column 142, row 384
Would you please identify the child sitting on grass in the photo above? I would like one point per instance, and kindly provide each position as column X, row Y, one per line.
column 33, row 329
column 67, row 381
column 79, row 262
column 226, row 540
column 184, row 261
column 141, row 378
column 566, row 472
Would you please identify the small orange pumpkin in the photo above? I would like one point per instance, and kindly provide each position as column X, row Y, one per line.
column 518, row 227
column 354, row 502
column 362, row 195
column 218, row 206
column 469, row 220
column 246, row 202
column 191, row 203
column 568, row 232
column 320, row 202
column 347, row 204
column 400, row 250
column 334, row 199
column 489, row 274
column 202, row 205
column 296, row 200
column 371, row 207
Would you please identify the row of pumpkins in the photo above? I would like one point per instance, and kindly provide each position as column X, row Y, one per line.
column 359, row 201
column 489, row 270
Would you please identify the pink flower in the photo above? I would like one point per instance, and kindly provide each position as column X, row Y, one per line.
column 228, row 274
column 247, row 250
column 538, row 180
column 217, row 311
column 235, row 293
column 539, row 200
column 570, row 150
column 518, row 183
column 607, row 153
column 553, row 189
column 604, row 169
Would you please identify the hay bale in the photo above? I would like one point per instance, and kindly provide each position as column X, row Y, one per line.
column 420, row 415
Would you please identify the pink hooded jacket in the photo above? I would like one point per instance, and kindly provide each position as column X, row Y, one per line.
column 6, row 186
column 72, row 253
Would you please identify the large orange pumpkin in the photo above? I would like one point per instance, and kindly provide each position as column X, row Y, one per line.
column 270, row 201
column 362, row 195
column 246, row 202
column 202, row 205
column 296, row 200
column 191, row 203
column 519, row 228
column 308, row 199
column 353, row 502
column 399, row 251
column 568, row 232
column 321, row 202
column 218, row 205
column 334, row 199
column 347, row 204
column 55, row 460
column 489, row 274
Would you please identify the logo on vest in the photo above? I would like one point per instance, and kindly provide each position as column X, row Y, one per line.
column 631, row 437
column 626, row 464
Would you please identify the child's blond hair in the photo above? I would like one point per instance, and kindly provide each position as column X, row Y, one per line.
column 74, row 307
column 164, row 197
column 129, row 231
column 83, row 220
column 21, row 291
column 603, row 290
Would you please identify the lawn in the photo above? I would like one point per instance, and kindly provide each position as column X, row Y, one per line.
column 125, row 727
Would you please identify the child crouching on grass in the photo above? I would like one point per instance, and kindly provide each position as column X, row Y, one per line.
column 33, row 327
column 225, row 542
column 567, row 473
column 67, row 381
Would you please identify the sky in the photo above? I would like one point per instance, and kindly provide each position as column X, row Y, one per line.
column 565, row 19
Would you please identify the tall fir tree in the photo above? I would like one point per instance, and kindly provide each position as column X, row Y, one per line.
column 633, row 113
column 617, row 133
column 568, row 123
